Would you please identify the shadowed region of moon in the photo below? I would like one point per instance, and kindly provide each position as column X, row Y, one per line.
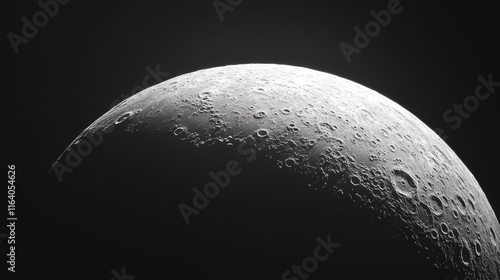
column 316, row 155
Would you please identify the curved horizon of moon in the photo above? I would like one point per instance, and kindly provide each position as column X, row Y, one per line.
column 341, row 137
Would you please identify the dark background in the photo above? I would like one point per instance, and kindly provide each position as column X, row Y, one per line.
column 426, row 59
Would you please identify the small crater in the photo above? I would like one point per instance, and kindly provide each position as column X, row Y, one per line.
column 293, row 127
column 123, row 118
column 180, row 131
column 205, row 95
column 262, row 133
column 477, row 247
column 445, row 200
column 493, row 236
column 434, row 233
column 285, row 111
column 259, row 115
column 355, row 180
column 384, row 133
column 465, row 255
column 462, row 207
column 444, row 228
column 472, row 208
column 290, row 162
column 403, row 183
column 373, row 157
column 436, row 205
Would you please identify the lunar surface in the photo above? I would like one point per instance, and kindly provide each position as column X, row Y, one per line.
column 237, row 172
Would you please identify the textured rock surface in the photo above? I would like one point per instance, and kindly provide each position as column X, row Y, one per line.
column 335, row 137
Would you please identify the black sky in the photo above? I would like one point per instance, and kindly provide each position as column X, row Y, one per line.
column 427, row 59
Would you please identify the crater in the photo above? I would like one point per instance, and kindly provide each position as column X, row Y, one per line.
column 436, row 205
column 123, row 118
column 403, row 183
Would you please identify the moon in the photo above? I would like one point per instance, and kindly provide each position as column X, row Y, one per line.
column 240, row 171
